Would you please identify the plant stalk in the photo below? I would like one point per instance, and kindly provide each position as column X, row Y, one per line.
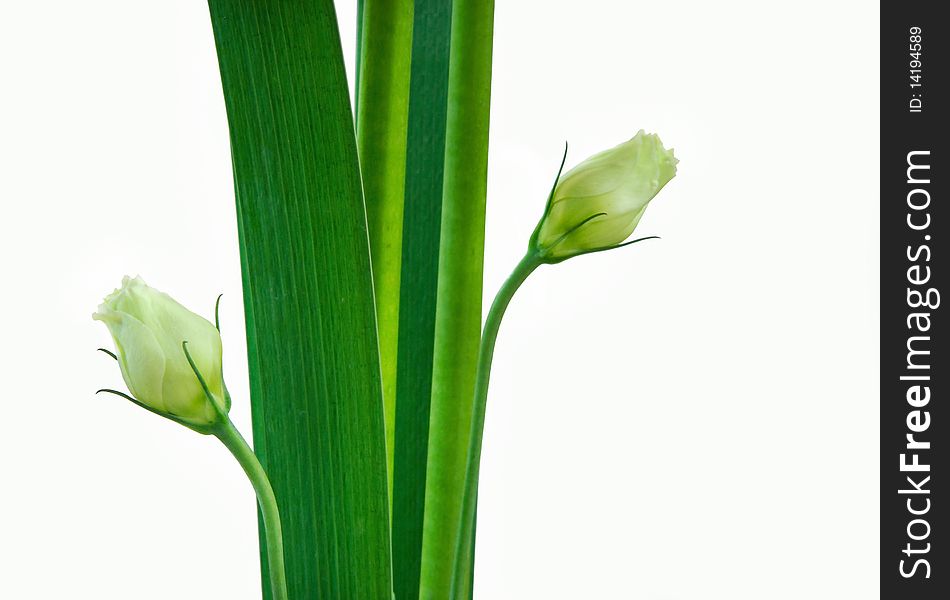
column 234, row 441
column 460, row 588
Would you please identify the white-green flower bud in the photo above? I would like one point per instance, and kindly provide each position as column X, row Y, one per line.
column 148, row 328
column 597, row 204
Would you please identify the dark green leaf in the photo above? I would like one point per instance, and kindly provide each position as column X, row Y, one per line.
column 425, row 156
column 312, row 348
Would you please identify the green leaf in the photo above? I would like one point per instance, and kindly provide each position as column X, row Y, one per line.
column 434, row 342
column 459, row 312
column 385, row 32
column 425, row 155
column 312, row 347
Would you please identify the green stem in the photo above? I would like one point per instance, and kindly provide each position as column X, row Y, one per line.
column 485, row 352
column 232, row 439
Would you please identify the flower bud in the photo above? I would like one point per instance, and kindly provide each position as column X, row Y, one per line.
column 148, row 328
column 597, row 204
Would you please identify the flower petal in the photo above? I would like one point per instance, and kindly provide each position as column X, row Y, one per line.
column 141, row 358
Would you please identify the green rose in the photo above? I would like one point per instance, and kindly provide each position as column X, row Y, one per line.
column 597, row 204
column 149, row 329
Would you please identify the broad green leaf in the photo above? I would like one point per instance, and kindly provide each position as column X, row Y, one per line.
column 312, row 345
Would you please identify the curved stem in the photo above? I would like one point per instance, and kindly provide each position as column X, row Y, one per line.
column 232, row 439
column 460, row 585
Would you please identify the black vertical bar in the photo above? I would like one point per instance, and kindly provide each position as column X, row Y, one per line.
column 914, row 375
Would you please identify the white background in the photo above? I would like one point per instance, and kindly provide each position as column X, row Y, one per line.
column 688, row 418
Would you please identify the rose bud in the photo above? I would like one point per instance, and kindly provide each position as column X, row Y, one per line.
column 597, row 204
column 151, row 331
